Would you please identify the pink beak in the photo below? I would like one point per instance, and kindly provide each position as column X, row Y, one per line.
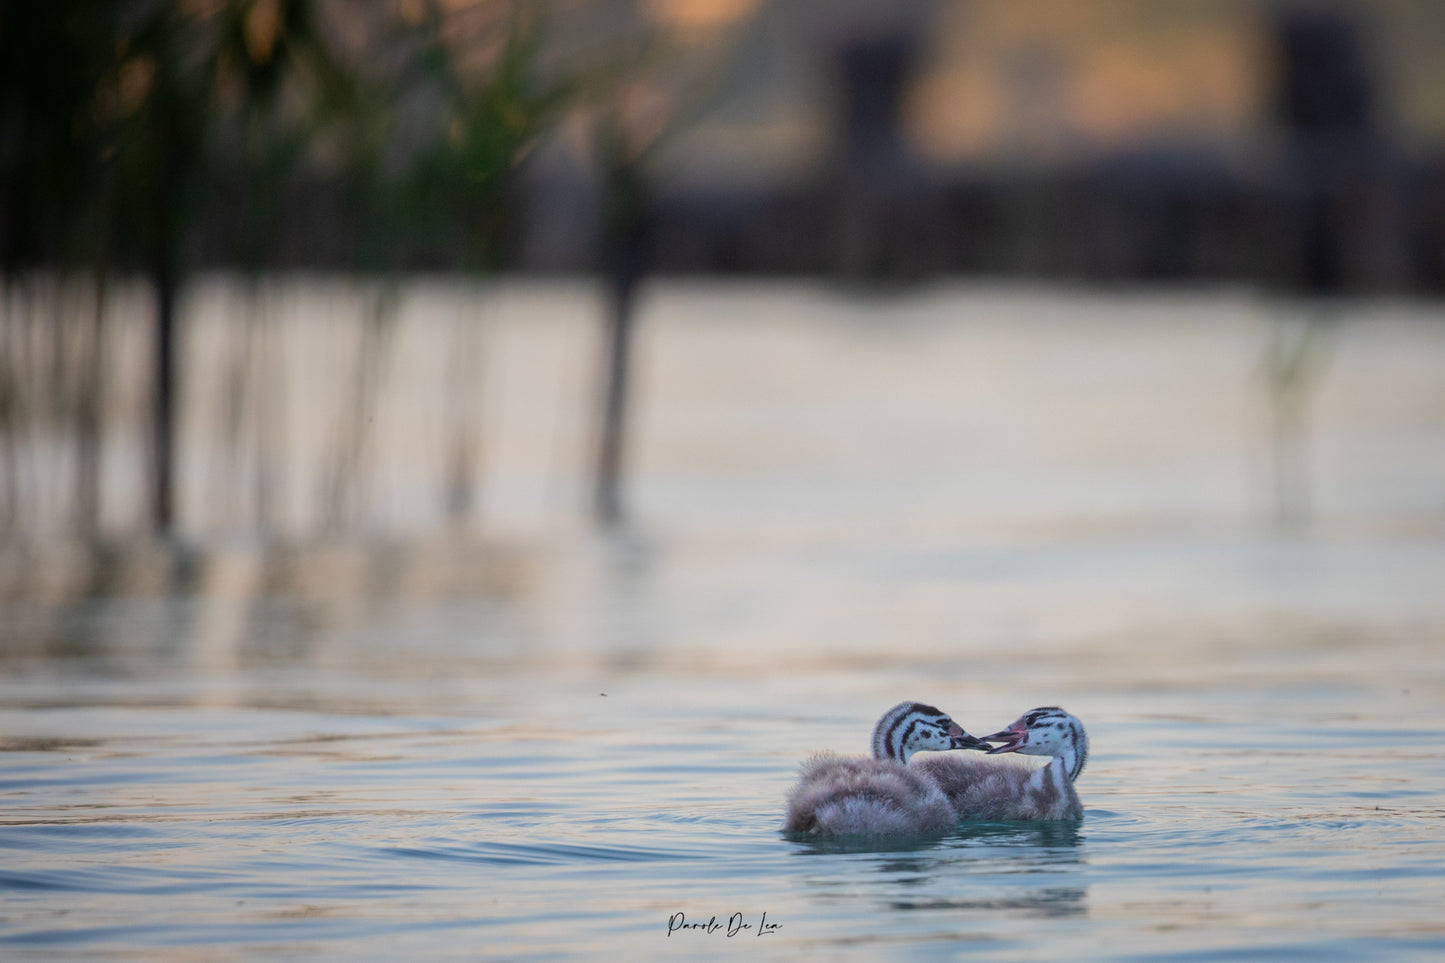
column 1014, row 738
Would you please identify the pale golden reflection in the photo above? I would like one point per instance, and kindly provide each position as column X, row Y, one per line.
column 699, row 14
column 1107, row 77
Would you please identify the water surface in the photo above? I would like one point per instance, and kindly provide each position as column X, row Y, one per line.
column 545, row 743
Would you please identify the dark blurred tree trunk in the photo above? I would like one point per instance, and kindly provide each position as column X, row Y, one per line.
column 89, row 405
column 165, row 271
column 171, row 160
column 1335, row 150
column 626, row 251
column 620, row 298
column 163, row 277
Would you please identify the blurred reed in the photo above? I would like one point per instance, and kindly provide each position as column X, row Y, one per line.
column 127, row 125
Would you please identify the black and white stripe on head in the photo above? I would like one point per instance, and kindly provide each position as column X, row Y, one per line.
column 1052, row 731
column 908, row 727
column 1037, row 717
column 1080, row 740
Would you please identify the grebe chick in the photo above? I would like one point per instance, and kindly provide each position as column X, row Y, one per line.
column 980, row 789
column 882, row 795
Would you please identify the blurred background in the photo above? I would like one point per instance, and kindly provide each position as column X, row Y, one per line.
column 432, row 286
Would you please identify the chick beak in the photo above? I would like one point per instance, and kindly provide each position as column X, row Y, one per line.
column 962, row 740
column 1013, row 738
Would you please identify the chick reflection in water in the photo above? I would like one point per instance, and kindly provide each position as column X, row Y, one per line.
column 885, row 796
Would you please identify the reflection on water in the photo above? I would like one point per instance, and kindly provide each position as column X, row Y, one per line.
column 1047, row 853
column 242, row 606
column 1044, row 902
column 543, row 743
